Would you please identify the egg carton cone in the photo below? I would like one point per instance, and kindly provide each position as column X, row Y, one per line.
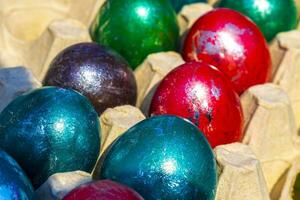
column 270, row 130
column 298, row 6
column 15, row 81
column 149, row 74
column 285, row 54
column 289, row 186
column 32, row 32
column 241, row 174
column 189, row 14
column 212, row 2
column 60, row 184
column 114, row 122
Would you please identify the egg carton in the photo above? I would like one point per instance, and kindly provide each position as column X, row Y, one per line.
column 32, row 32
column 264, row 165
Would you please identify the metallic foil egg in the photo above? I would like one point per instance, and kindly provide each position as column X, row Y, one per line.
column 95, row 71
column 231, row 42
column 103, row 190
column 202, row 94
column 14, row 183
column 271, row 16
column 50, row 130
column 163, row 157
column 136, row 28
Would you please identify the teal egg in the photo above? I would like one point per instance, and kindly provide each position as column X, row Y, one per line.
column 50, row 130
column 178, row 4
column 164, row 157
column 14, row 183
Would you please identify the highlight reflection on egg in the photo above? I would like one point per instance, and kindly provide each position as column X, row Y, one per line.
column 95, row 71
column 202, row 94
column 50, row 130
column 163, row 157
column 229, row 41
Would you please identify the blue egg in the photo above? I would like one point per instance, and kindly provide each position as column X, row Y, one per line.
column 50, row 130
column 14, row 184
column 164, row 157
column 178, row 4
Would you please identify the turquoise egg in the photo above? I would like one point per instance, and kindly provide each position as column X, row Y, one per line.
column 164, row 157
column 50, row 130
column 14, row 183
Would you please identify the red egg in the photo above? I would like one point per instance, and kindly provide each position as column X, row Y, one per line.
column 103, row 190
column 234, row 44
column 202, row 94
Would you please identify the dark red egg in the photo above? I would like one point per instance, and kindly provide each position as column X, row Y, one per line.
column 202, row 94
column 234, row 44
column 103, row 190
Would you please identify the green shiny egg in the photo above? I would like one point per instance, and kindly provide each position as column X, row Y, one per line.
column 136, row 28
column 272, row 16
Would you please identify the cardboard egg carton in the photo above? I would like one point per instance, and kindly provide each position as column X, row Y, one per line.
column 265, row 166
column 32, row 32
column 241, row 176
column 270, row 131
column 298, row 6
column 14, row 82
column 212, row 2
column 150, row 73
column 189, row 14
column 289, row 184
column 285, row 53
column 115, row 121
column 60, row 184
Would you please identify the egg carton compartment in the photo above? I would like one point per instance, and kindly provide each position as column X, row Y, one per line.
column 32, row 32
column 265, row 165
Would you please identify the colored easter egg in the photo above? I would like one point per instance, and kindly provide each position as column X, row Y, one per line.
column 136, row 28
column 203, row 95
column 14, row 183
column 50, row 130
column 103, row 190
column 229, row 41
column 271, row 16
column 95, row 71
column 163, row 157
